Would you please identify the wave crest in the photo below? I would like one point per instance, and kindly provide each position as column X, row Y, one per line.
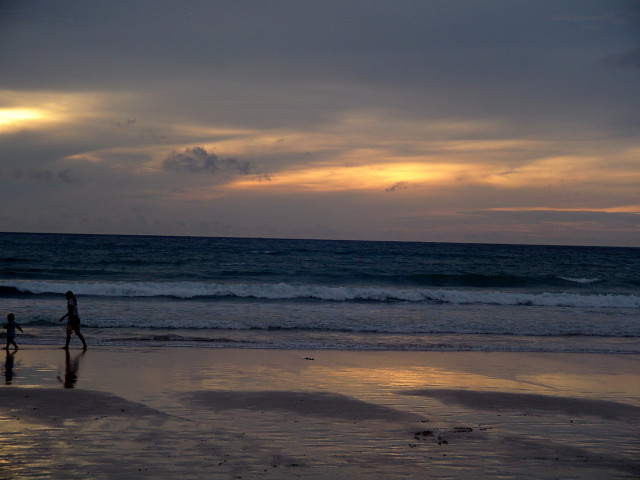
column 283, row 291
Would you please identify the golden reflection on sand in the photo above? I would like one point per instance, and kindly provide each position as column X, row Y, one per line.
column 208, row 413
column 399, row 378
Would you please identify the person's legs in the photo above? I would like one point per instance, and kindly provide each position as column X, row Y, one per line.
column 80, row 336
column 68, row 340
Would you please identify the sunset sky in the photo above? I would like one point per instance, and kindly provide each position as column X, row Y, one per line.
column 502, row 121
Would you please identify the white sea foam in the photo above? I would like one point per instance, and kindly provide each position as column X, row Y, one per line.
column 581, row 280
column 282, row 291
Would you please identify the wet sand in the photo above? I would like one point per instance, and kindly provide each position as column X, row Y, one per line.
column 204, row 413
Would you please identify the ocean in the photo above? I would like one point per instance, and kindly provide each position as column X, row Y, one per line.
column 321, row 294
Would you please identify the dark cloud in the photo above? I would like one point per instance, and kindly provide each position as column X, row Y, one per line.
column 397, row 186
column 153, row 133
column 144, row 132
column 287, row 61
column 64, row 176
column 199, row 160
column 628, row 59
column 126, row 123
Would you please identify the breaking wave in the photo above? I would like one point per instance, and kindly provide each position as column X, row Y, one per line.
column 283, row 291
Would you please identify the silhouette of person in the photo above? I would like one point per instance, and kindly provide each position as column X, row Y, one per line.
column 11, row 326
column 71, row 369
column 8, row 368
column 73, row 324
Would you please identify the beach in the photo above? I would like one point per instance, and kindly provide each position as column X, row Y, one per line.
column 135, row 412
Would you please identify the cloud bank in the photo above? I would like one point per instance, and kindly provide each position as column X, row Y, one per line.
column 199, row 160
column 431, row 121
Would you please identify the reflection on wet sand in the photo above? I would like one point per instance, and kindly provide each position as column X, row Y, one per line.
column 8, row 368
column 71, row 369
column 192, row 413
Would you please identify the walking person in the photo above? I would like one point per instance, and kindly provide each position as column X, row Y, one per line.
column 73, row 323
column 11, row 326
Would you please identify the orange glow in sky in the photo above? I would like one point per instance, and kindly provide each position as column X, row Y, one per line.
column 361, row 177
column 265, row 127
column 18, row 118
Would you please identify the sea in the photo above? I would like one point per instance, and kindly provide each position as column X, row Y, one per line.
column 264, row 293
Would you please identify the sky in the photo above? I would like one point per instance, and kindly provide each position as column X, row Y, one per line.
column 491, row 121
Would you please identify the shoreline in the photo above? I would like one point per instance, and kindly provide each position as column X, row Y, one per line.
column 168, row 412
column 37, row 336
column 160, row 345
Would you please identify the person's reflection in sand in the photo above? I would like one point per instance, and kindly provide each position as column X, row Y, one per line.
column 71, row 369
column 8, row 368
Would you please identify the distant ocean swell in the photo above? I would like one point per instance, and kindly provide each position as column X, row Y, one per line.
column 275, row 276
column 283, row 291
